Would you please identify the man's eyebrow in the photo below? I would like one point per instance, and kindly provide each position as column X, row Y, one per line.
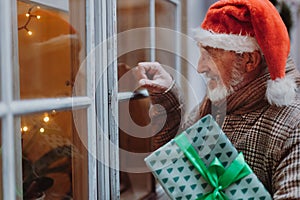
column 209, row 49
column 212, row 51
column 201, row 46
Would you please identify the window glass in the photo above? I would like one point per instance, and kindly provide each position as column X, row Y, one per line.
column 54, row 157
column 165, row 18
column 133, row 14
column 133, row 17
column 133, row 28
column 0, row 84
column 51, row 47
column 165, row 14
column 1, row 188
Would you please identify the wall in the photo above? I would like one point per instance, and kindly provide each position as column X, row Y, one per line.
column 295, row 35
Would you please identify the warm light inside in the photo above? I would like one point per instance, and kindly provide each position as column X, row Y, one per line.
column 42, row 130
column 27, row 14
column 25, row 128
column 46, row 119
column 38, row 17
column 29, row 32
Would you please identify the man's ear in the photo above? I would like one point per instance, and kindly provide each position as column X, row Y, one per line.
column 254, row 59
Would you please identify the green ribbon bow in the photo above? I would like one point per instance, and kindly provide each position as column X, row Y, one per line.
column 216, row 174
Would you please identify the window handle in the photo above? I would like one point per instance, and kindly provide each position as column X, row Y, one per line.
column 126, row 96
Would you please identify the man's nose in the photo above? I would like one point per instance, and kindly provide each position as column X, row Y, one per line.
column 203, row 65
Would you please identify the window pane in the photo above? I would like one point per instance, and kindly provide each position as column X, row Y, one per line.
column 131, row 10
column 1, row 188
column 133, row 14
column 165, row 12
column 51, row 48
column 54, row 158
column 0, row 87
column 165, row 18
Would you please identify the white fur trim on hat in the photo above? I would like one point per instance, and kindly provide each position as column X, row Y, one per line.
column 229, row 42
column 281, row 92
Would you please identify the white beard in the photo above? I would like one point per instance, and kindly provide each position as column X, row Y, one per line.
column 220, row 92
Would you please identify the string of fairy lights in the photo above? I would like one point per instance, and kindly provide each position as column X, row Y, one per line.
column 45, row 118
column 29, row 16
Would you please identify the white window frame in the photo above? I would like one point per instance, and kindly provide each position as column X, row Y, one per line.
column 103, row 169
column 104, row 35
column 11, row 108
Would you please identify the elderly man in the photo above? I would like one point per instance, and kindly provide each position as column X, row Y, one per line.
column 244, row 49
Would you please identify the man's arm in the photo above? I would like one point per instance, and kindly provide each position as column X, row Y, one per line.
column 286, row 179
column 167, row 115
column 167, row 107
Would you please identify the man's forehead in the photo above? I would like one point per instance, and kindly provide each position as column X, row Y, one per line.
column 213, row 50
column 209, row 49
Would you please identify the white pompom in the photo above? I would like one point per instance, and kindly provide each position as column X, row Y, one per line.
column 281, row 92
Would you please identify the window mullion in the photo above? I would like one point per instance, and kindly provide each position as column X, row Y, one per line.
column 113, row 106
column 178, row 43
column 8, row 136
column 3, row 109
column 16, row 95
column 152, row 33
column 92, row 118
column 100, row 56
column 41, row 105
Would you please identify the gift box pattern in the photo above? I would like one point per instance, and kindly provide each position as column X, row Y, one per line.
column 181, row 180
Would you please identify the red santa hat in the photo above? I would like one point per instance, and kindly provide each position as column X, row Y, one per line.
column 246, row 26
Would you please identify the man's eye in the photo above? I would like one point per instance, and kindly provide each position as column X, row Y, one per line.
column 214, row 55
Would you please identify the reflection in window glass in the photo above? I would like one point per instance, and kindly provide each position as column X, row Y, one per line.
column 1, row 191
column 54, row 158
column 165, row 14
column 132, row 14
column 50, row 49
column 0, row 87
column 165, row 18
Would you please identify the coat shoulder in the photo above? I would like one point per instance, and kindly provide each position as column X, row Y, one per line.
column 287, row 115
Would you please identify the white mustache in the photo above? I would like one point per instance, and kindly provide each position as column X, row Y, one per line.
column 209, row 77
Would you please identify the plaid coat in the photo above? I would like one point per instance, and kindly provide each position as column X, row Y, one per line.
column 268, row 136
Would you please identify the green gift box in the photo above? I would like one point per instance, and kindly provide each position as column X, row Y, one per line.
column 201, row 163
